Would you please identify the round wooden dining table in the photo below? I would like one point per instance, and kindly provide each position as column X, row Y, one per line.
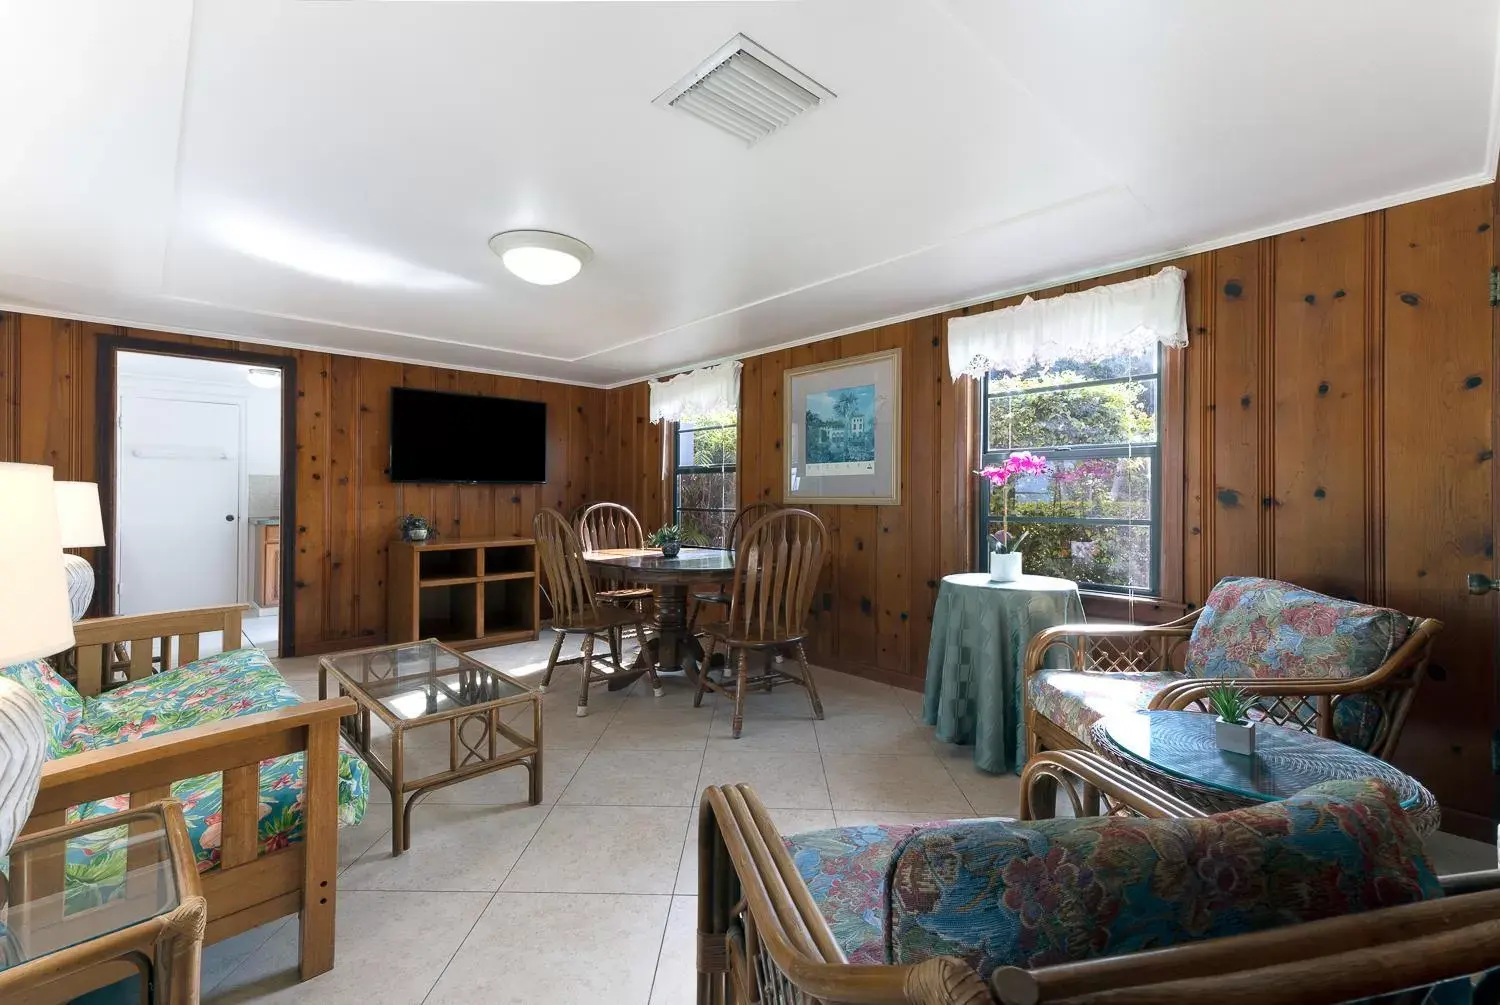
column 671, row 579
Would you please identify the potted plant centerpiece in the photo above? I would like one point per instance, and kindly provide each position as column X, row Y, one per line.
column 1005, row 550
column 415, row 528
column 668, row 539
column 1232, row 730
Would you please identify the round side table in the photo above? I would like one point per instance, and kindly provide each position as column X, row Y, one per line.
column 980, row 630
column 1176, row 751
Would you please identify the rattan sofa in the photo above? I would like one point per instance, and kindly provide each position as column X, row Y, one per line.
column 763, row 937
column 1333, row 667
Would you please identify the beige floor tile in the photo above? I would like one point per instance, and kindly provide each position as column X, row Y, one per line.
column 1450, row 853
column 355, row 841
column 787, row 726
column 452, row 848
column 391, row 948
column 859, row 818
column 787, row 822
column 658, row 729
column 636, row 778
column 676, row 981
column 789, row 779
column 221, row 958
column 990, row 795
column 512, row 786
column 558, row 949
column 911, row 701
column 603, row 849
column 911, row 783
column 878, row 733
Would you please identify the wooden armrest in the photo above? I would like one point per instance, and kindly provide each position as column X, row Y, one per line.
column 1470, row 882
column 183, row 753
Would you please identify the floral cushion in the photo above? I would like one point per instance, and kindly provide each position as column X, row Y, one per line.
column 1253, row 627
column 1050, row 891
column 844, row 868
column 1076, row 699
column 62, row 704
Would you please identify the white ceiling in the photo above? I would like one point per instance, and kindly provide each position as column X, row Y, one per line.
column 328, row 173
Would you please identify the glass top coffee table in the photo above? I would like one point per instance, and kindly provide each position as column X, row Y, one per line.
column 1176, row 751
column 425, row 685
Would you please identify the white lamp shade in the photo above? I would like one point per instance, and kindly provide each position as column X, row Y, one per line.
column 79, row 523
column 35, row 619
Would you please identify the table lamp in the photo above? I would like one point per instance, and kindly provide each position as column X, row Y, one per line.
column 79, row 526
column 34, row 622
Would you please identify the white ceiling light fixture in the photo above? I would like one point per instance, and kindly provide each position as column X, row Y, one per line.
column 264, row 376
column 745, row 90
column 541, row 256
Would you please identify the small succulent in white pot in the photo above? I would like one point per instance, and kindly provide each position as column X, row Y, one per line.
column 1233, row 730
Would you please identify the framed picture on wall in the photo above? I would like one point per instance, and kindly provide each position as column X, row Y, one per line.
column 843, row 431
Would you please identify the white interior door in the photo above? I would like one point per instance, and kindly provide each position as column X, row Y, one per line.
column 178, row 502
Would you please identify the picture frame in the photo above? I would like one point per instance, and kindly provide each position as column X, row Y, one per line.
column 842, row 432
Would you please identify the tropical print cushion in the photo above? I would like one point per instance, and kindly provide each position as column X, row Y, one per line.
column 1051, row 891
column 844, row 868
column 218, row 687
column 1076, row 699
column 62, row 704
column 1263, row 628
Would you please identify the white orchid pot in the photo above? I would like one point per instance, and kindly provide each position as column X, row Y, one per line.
column 1005, row 567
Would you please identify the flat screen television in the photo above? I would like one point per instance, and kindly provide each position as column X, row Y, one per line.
column 466, row 439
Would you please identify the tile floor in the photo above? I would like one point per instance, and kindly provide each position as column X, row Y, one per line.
column 589, row 897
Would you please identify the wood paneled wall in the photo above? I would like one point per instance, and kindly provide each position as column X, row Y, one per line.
column 346, row 506
column 1330, row 424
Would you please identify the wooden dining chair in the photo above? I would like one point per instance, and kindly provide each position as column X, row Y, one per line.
column 576, row 609
column 776, row 569
column 607, row 525
column 742, row 522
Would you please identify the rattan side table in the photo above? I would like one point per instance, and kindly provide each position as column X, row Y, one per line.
column 59, row 936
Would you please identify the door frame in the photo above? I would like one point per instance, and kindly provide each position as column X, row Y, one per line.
column 106, row 409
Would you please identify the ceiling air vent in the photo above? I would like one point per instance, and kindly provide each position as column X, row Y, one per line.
column 745, row 91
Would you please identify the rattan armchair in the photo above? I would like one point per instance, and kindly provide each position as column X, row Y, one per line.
column 1305, row 703
column 761, row 937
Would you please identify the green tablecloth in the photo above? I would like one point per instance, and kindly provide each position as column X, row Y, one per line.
column 980, row 631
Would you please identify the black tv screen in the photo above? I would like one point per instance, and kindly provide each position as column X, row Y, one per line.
column 466, row 438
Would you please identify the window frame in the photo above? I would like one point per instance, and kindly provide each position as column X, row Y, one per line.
column 677, row 470
column 1154, row 451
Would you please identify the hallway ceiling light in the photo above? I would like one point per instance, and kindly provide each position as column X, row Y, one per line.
column 541, row 256
column 264, row 376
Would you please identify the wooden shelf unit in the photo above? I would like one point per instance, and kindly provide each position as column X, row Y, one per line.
column 469, row 593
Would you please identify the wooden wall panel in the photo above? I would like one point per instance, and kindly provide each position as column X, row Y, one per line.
column 1439, row 385
column 347, row 506
column 1317, row 494
column 1233, row 368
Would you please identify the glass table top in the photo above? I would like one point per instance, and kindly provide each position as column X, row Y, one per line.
column 116, row 876
column 1285, row 762
column 688, row 560
column 418, row 679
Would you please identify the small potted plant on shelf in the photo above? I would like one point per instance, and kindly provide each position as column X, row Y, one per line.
column 1232, row 730
column 1005, row 549
column 668, row 539
column 415, row 528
